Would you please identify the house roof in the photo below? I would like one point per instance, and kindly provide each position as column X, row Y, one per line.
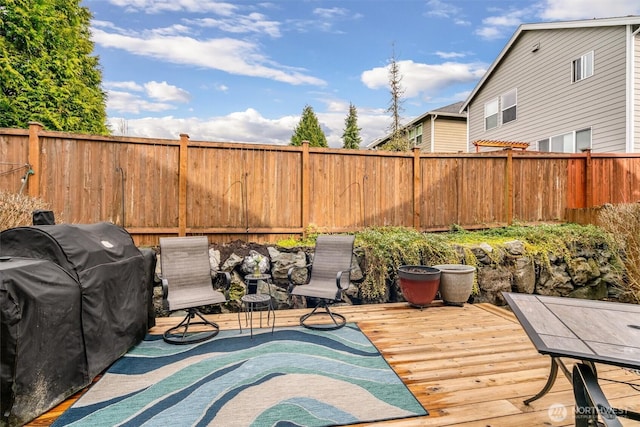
column 451, row 110
column 585, row 23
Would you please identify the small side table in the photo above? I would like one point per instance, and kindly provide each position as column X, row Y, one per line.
column 257, row 300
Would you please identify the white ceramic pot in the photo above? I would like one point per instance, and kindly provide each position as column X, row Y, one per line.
column 456, row 282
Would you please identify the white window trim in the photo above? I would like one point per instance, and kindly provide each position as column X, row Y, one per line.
column 575, row 137
column 502, row 107
column 497, row 114
column 573, row 134
column 583, row 62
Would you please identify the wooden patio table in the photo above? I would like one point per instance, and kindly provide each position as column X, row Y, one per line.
column 587, row 330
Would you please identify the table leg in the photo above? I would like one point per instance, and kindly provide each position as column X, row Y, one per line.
column 273, row 313
column 556, row 363
column 251, row 306
column 553, row 374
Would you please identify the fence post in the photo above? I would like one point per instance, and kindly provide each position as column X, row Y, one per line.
column 33, row 157
column 305, row 188
column 182, row 184
column 509, row 186
column 588, row 182
column 417, row 188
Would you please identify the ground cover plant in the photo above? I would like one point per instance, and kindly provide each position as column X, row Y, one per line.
column 384, row 249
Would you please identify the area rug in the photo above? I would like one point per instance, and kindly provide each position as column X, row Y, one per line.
column 293, row 377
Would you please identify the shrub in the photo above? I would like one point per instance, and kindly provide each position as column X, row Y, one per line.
column 387, row 248
column 17, row 209
column 623, row 222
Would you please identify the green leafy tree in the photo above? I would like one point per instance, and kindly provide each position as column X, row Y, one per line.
column 308, row 129
column 47, row 71
column 351, row 135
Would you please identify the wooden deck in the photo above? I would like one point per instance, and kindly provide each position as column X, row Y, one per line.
column 469, row 366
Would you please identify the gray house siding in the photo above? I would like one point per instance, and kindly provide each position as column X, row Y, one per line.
column 548, row 103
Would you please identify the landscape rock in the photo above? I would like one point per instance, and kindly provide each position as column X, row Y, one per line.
column 492, row 281
column 586, row 273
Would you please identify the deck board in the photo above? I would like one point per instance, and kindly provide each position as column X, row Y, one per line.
column 469, row 366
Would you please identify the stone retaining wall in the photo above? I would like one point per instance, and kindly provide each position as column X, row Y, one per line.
column 585, row 273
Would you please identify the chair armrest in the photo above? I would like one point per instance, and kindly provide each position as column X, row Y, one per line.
column 165, row 289
column 339, row 278
column 226, row 278
column 590, row 400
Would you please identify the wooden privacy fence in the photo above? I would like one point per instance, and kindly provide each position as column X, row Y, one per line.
column 259, row 192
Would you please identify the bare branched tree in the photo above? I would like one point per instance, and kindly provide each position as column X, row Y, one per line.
column 123, row 127
column 399, row 140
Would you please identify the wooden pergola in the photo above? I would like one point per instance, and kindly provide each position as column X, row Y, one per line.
column 502, row 144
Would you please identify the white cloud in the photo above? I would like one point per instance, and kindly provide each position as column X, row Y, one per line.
column 242, row 24
column 225, row 54
column 498, row 26
column 441, row 9
column 159, row 6
column 330, row 13
column 171, row 30
column 490, row 33
column 509, row 20
column 336, row 106
column 450, row 55
column 425, row 79
column 250, row 126
column 124, row 85
column 587, row 9
column 461, row 22
column 125, row 102
column 166, row 93
column 326, row 20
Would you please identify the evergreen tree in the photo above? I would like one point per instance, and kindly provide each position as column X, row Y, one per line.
column 351, row 136
column 47, row 72
column 308, row 129
column 399, row 140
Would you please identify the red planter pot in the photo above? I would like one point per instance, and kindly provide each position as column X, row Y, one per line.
column 419, row 284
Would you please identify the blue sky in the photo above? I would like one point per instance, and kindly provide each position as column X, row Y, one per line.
column 243, row 71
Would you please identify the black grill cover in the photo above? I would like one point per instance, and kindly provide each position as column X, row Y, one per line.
column 42, row 353
column 114, row 286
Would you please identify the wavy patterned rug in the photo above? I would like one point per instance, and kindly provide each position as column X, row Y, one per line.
column 295, row 377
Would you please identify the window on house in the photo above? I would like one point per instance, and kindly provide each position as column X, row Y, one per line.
column 583, row 139
column 572, row 142
column 582, row 67
column 491, row 114
column 509, row 103
column 543, row 145
column 415, row 135
column 562, row 143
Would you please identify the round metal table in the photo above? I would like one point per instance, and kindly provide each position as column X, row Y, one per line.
column 256, row 302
